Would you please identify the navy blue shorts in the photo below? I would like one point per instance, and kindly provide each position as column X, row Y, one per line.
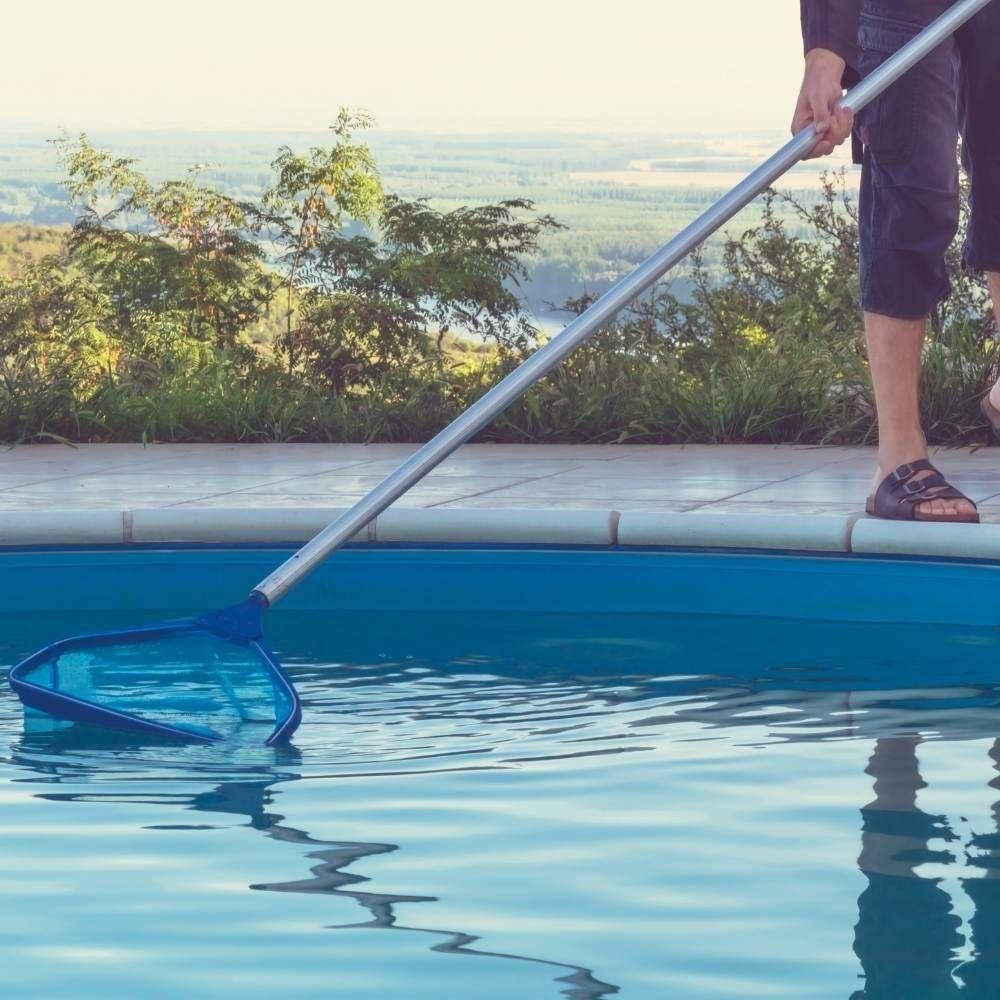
column 909, row 204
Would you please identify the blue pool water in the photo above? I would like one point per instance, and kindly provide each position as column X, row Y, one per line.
column 528, row 774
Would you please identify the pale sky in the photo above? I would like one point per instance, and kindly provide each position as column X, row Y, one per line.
column 675, row 65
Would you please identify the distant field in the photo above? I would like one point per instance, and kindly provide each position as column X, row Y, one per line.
column 619, row 195
column 800, row 179
column 723, row 165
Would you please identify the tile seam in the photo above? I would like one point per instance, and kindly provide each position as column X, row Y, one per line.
column 496, row 489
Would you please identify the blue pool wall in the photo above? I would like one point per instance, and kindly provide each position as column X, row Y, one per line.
column 512, row 580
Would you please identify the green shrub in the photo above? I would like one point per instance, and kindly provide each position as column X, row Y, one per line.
column 161, row 319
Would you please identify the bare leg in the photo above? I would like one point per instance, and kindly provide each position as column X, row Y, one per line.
column 994, row 282
column 894, row 347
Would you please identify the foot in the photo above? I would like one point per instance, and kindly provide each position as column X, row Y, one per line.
column 928, row 508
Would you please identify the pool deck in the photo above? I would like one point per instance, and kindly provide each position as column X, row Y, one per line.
column 743, row 495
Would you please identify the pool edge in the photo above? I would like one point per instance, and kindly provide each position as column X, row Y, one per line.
column 843, row 533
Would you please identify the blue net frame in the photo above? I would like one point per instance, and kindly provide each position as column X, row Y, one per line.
column 68, row 693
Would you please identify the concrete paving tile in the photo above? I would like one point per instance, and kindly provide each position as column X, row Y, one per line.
column 298, row 455
column 105, row 451
column 265, row 466
column 125, row 486
column 741, row 507
column 727, row 478
column 490, row 502
column 497, row 468
column 93, row 500
column 67, row 465
column 554, row 489
column 414, row 499
column 621, row 474
column 316, row 485
column 8, row 482
column 832, row 490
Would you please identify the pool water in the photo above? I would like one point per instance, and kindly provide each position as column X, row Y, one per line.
column 526, row 774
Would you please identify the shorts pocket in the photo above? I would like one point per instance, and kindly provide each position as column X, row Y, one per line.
column 888, row 126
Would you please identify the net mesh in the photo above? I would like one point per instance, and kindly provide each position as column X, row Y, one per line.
column 193, row 680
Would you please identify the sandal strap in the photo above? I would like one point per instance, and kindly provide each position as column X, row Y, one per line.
column 909, row 469
column 911, row 487
column 900, row 491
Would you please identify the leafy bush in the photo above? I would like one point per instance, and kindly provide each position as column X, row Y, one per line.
column 331, row 310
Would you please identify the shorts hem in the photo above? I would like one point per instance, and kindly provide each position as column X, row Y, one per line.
column 896, row 313
column 978, row 270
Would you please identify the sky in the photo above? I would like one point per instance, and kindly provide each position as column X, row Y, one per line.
column 670, row 65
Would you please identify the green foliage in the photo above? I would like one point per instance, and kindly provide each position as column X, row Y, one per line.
column 177, row 256
column 374, row 299
column 374, row 272
column 175, row 311
column 767, row 350
column 50, row 349
column 331, row 310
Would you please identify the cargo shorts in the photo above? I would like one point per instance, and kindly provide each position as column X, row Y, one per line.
column 907, row 138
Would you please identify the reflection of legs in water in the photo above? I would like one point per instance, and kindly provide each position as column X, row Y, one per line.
column 907, row 934
column 330, row 878
column 982, row 975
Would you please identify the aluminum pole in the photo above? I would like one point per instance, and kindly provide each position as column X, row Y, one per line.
column 494, row 402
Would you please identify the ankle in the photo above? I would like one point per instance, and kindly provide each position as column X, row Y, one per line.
column 892, row 456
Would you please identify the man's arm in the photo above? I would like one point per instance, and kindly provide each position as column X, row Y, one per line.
column 832, row 25
column 830, row 39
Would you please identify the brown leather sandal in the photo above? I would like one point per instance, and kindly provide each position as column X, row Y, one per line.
column 899, row 494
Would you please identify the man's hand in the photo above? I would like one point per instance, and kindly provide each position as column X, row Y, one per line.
column 821, row 89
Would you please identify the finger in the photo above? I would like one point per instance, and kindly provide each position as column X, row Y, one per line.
column 819, row 105
column 841, row 126
column 802, row 115
column 823, row 144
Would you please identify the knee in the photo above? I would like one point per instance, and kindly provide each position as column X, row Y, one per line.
column 919, row 221
column 904, row 242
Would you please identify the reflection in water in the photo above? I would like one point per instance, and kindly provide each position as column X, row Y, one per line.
column 252, row 799
column 329, row 878
column 565, row 691
column 908, row 935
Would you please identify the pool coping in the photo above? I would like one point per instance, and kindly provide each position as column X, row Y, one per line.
column 830, row 533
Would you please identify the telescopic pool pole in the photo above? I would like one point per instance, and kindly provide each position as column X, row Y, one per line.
column 494, row 402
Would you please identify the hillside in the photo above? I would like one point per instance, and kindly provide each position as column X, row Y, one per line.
column 22, row 243
column 618, row 195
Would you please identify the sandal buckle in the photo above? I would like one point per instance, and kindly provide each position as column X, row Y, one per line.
column 899, row 474
column 912, row 488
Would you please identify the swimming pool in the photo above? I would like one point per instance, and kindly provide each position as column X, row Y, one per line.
column 526, row 772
